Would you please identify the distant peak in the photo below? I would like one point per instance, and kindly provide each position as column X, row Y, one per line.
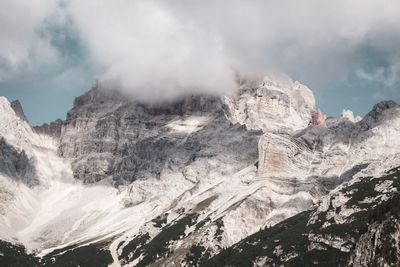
column 17, row 107
column 381, row 111
column 349, row 115
column 384, row 105
column 381, row 108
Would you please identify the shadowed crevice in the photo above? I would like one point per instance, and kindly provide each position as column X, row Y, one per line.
column 16, row 164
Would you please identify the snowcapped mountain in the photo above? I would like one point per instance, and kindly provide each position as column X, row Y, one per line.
column 178, row 183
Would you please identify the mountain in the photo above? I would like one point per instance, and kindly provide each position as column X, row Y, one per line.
column 199, row 181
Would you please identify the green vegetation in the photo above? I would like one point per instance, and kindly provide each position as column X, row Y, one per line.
column 15, row 256
column 219, row 231
column 263, row 243
column 202, row 223
column 133, row 247
column 92, row 255
column 196, row 255
column 158, row 246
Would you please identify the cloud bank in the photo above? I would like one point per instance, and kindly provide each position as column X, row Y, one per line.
column 145, row 49
column 161, row 49
column 21, row 46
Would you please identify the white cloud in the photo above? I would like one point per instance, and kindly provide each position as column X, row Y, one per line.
column 310, row 39
column 149, row 52
column 21, row 46
column 388, row 76
column 161, row 49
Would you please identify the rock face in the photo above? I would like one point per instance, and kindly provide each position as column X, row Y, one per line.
column 110, row 138
column 379, row 246
column 273, row 105
column 318, row 118
column 118, row 138
column 52, row 129
column 274, row 155
column 16, row 164
column 332, row 148
column 17, row 107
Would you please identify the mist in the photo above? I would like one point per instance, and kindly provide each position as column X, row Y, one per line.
column 159, row 50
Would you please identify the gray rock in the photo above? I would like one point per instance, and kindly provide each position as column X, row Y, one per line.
column 52, row 129
column 16, row 165
column 17, row 107
column 111, row 138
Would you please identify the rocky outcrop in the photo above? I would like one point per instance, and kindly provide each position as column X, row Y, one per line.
column 52, row 129
column 272, row 105
column 111, row 138
column 16, row 164
column 379, row 246
column 17, row 107
column 380, row 113
column 317, row 118
column 280, row 155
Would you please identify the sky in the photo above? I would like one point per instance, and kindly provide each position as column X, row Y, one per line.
column 346, row 51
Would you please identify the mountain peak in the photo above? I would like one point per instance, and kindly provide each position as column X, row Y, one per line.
column 382, row 111
column 384, row 105
column 17, row 107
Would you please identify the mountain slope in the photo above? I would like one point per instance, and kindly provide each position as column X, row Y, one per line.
column 175, row 183
column 356, row 225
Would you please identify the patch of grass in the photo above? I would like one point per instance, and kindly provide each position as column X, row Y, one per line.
column 158, row 246
column 92, row 255
column 197, row 254
column 263, row 243
column 133, row 247
column 12, row 255
column 202, row 223
column 218, row 233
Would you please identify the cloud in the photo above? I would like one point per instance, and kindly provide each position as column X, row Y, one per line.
column 315, row 41
column 161, row 49
column 21, row 45
column 147, row 51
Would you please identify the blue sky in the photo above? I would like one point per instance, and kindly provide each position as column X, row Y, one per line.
column 346, row 52
column 47, row 92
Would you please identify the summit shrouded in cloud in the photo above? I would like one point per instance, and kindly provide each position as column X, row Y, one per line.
column 160, row 50
column 170, row 47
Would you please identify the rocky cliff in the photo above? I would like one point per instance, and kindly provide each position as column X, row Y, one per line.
column 273, row 104
column 52, row 129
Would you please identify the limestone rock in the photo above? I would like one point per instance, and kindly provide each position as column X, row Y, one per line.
column 52, row 129
column 272, row 105
column 16, row 164
column 17, row 107
column 108, row 137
